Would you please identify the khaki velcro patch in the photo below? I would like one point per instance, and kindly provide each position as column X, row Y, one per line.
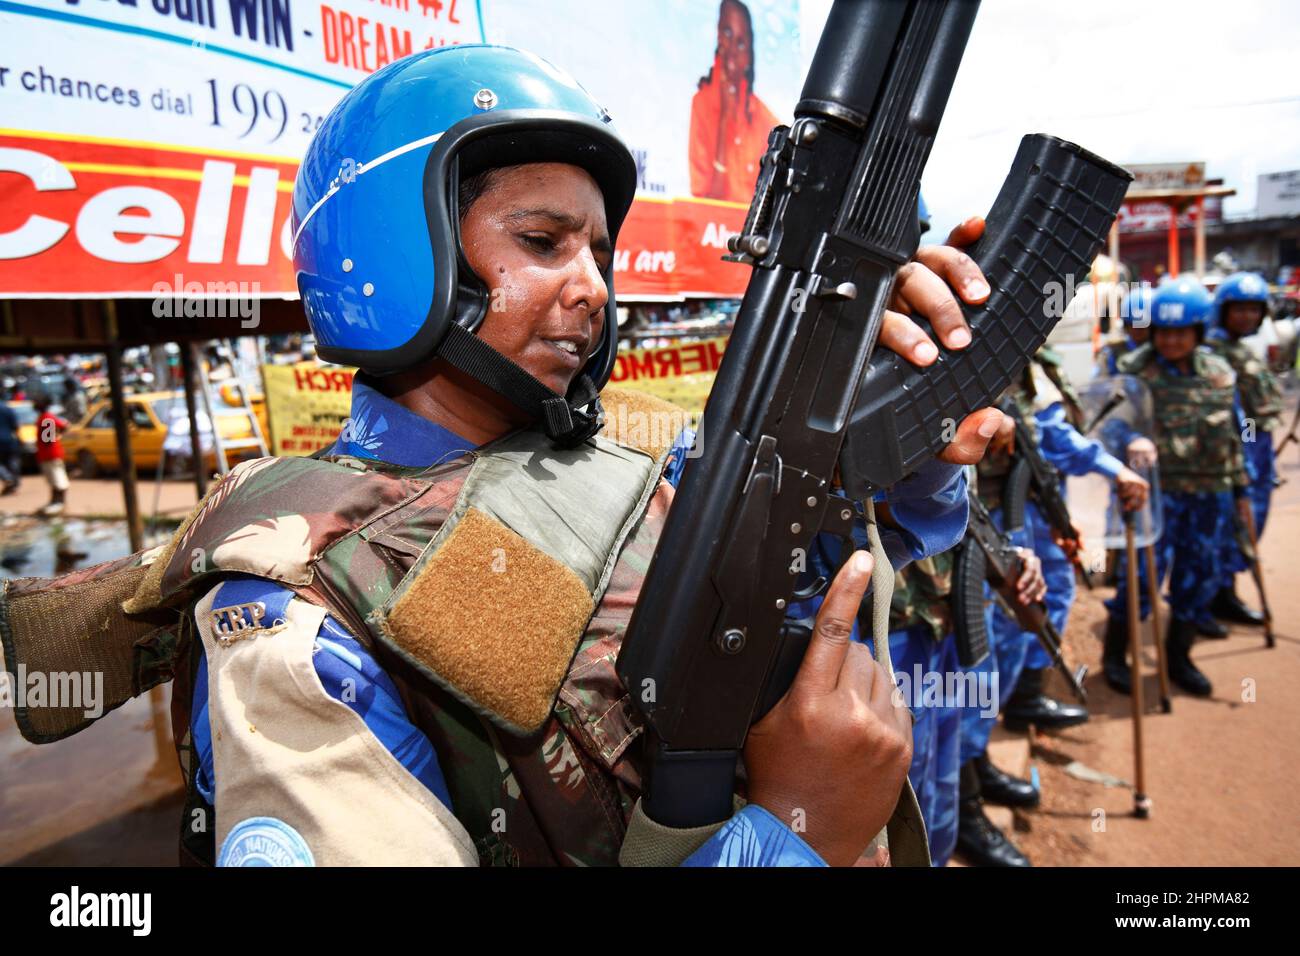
column 636, row 420
column 495, row 619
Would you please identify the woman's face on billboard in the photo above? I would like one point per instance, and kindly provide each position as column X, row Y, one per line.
column 734, row 43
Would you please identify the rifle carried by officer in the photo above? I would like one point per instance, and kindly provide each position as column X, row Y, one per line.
column 1034, row 476
column 799, row 391
column 1290, row 435
column 987, row 554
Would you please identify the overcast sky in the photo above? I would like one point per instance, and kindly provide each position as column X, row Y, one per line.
column 1138, row 81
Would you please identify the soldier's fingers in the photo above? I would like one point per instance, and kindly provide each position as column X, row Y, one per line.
column 921, row 289
column 972, row 438
column 965, row 233
column 883, row 698
column 829, row 646
column 900, row 334
column 857, row 676
column 957, row 269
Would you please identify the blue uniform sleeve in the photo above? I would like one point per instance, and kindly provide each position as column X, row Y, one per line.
column 1073, row 454
column 348, row 673
column 677, row 456
column 931, row 508
column 753, row 837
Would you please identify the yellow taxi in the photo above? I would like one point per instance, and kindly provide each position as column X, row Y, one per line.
column 91, row 444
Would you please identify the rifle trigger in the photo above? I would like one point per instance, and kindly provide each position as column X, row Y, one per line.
column 812, row 590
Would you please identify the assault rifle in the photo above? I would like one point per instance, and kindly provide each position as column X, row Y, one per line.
column 988, row 555
column 832, row 220
column 1034, row 476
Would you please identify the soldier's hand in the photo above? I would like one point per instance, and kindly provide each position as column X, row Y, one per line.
column 1245, row 512
column 1031, row 586
column 1069, row 546
column 976, row 433
column 1141, row 453
column 830, row 758
column 925, row 287
column 1132, row 489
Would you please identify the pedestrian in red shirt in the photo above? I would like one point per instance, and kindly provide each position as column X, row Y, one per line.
column 49, row 454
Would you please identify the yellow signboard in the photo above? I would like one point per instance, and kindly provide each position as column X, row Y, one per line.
column 307, row 405
column 681, row 374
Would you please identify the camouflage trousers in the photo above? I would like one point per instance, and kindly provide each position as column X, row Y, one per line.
column 1189, row 551
column 935, row 733
column 1261, row 458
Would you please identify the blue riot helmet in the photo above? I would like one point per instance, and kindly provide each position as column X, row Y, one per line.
column 376, row 223
column 1182, row 303
column 1240, row 287
column 922, row 214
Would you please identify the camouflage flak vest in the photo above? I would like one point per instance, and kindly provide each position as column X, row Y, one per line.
column 1196, row 425
column 1261, row 395
column 923, row 595
column 536, row 553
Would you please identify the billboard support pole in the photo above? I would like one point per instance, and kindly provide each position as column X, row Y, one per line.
column 192, row 410
column 121, row 430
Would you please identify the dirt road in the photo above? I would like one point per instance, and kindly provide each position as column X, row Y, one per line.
column 1222, row 772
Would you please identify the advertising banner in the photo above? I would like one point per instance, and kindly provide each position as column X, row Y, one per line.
column 150, row 146
column 307, row 405
column 681, row 374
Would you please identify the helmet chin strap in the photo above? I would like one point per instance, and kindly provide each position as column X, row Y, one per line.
column 568, row 420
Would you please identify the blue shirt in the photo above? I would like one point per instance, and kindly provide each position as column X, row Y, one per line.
column 1072, row 453
column 930, row 505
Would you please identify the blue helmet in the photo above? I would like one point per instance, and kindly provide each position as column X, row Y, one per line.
column 1136, row 309
column 1182, row 303
column 1240, row 287
column 376, row 226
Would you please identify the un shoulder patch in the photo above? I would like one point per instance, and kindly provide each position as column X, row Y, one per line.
column 264, row 841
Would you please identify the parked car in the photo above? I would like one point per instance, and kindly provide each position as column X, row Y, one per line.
column 91, row 444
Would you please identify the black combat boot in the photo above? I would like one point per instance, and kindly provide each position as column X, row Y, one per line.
column 1114, row 656
column 1029, row 705
column 1228, row 607
column 978, row 840
column 998, row 786
column 1207, row 626
column 1178, row 655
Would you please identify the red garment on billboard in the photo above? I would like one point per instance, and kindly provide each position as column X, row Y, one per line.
column 49, row 450
column 743, row 141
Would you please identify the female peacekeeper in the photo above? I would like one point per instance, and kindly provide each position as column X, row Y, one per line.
column 414, row 662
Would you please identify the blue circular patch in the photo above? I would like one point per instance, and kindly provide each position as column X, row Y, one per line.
column 264, row 841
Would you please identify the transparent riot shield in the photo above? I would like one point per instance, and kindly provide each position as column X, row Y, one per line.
column 1118, row 413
